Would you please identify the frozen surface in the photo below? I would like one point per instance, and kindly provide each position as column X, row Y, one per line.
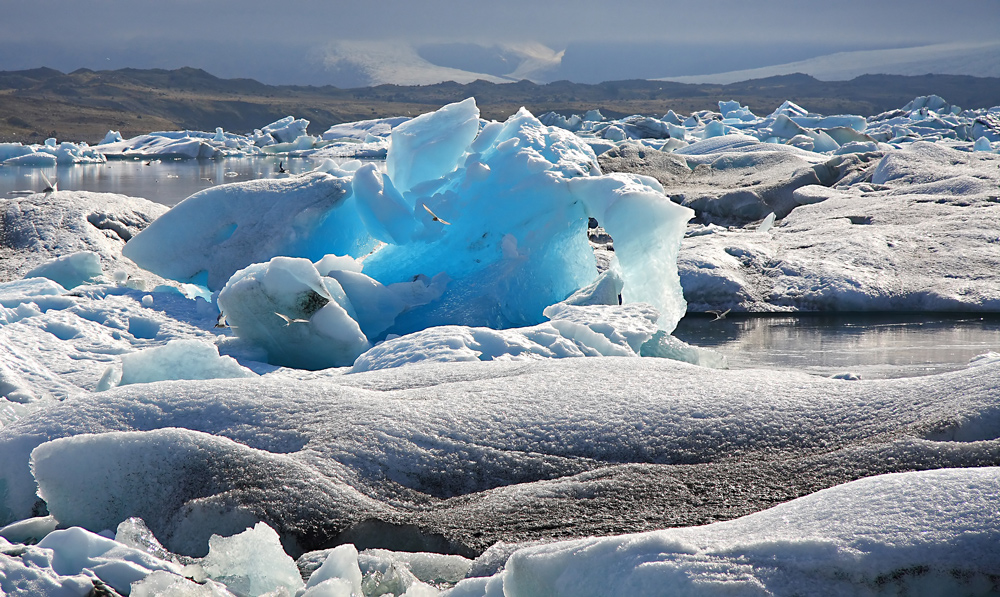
column 462, row 446
column 45, row 226
column 917, row 237
column 875, row 536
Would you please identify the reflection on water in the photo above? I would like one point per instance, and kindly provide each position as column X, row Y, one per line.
column 872, row 345
column 163, row 181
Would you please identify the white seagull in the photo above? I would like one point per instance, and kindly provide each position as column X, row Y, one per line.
column 434, row 215
column 719, row 314
column 50, row 187
column 289, row 320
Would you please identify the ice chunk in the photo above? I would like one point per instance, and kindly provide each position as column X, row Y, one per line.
column 574, row 331
column 431, row 145
column 647, row 228
column 611, row 330
column 70, row 270
column 287, row 129
column 178, row 359
column 251, row 563
column 340, row 565
column 767, row 223
column 111, row 137
column 29, row 530
column 362, row 129
column 35, row 158
column 300, row 318
column 165, row 584
column 133, row 532
column 387, row 216
column 210, row 235
column 75, row 551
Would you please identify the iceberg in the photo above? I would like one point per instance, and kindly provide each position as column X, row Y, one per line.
column 210, row 235
column 479, row 226
column 49, row 154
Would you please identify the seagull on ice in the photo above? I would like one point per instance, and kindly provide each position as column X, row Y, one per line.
column 719, row 314
column 289, row 320
column 434, row 215
column 50, row 187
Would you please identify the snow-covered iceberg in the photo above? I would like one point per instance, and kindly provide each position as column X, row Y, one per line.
column 49, row 154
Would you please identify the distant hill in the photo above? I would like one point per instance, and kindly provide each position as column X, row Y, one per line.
column 85, row 104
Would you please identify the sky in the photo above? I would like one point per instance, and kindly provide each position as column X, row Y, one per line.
column 344, row 42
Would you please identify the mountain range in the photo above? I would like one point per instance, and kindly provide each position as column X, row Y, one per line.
column 85, row 104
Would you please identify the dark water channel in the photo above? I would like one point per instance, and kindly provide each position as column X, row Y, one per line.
column 870, row 345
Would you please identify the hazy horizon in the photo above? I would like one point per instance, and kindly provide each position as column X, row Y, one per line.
column 353, row 44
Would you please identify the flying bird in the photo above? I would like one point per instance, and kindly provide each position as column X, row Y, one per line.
column 221, row 321
column 281, row 168
column 50, row 187
column 434, row 215
column 719, row 314
column 289, row 320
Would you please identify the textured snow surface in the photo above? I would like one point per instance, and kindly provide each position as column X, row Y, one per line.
column 45, row 226
column 442, row 447
column 131, row 408
column 919, row 236
column 856, row 539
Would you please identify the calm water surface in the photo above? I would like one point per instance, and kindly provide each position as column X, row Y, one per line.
column 163, row 181
column 869, row 345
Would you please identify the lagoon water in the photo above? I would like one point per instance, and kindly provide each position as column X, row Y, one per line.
column 869, row 345
column 163, row 181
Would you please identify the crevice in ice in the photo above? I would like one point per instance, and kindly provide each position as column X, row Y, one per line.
column 106, row 222
column 379, row 534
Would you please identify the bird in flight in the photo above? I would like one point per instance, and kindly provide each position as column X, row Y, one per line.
column 289, row 320
column 50, row 187
column 719, row 314
column 434, row 215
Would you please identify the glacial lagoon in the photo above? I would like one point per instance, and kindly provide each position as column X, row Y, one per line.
column 866, row 345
